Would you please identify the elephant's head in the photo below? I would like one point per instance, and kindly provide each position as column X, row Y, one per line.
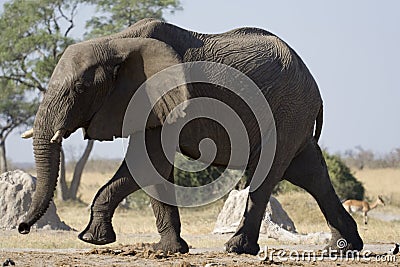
column 90, row 88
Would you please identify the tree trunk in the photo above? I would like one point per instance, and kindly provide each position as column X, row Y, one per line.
column 76, row 180
column 62, row 188
column 3, row 159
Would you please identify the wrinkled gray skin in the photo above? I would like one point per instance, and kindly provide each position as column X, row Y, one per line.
column 94, row 80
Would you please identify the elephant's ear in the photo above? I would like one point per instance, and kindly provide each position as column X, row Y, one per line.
column 137, row 60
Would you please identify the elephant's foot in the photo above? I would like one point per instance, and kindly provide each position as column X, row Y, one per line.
column 172, row 245
column 340, row 243
column 98, row 233
column 241, row 244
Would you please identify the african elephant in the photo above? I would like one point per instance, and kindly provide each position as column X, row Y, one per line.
column 94, row 80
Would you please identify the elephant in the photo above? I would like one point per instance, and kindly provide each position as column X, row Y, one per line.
column 94, row 80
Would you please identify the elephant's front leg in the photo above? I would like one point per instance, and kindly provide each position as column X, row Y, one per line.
column 99, row 230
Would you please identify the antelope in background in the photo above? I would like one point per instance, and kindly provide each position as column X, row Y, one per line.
column 352, row 205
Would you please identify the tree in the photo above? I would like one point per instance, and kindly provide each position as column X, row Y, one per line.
column 16, row 109
column 30, row 44
column 63, row 191
column 360, row 158
column 117, row 15
column 33, row 37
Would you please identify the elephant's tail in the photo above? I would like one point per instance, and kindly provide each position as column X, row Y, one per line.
column 318, row 123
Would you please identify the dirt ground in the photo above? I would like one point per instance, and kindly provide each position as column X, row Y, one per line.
column 141, row 254
column 136, row 229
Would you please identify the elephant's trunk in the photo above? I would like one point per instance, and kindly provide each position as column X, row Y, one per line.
column 47, row 159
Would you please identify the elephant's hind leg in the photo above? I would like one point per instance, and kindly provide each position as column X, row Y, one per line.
column 308, row 170
column 99, row 230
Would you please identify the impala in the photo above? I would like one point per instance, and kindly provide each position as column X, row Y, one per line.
column 352, row 205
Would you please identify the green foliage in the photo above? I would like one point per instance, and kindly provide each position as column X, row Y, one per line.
column 138, row 200
column 345, row 184
column 118, row 15
column 198, row 178
column 15, row 107
column 34, row 34
column 206, row 175
column 15, row 110
column 192, row 179
column 32, row 38
column 284, row 187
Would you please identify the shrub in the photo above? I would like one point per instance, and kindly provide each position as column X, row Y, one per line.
column 139, row 199
column 345, row 184
column 284, row 187
column 200, row 178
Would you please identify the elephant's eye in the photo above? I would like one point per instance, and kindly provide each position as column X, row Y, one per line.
column 115, row 71
column 79, row 87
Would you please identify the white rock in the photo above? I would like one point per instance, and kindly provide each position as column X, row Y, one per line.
column 16, row 191
column 275, row 224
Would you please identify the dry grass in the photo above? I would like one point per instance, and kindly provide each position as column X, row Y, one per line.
column 384, row 182
column 304, row 211
column 194, row 220
column 139, row 225
column 90, row 184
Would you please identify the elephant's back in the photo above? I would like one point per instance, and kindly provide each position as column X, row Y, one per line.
column 273, row 65
column 280, row 74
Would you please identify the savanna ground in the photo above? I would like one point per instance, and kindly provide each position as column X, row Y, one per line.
column 135, row 229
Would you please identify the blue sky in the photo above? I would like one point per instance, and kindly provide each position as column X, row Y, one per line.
column 351, row 48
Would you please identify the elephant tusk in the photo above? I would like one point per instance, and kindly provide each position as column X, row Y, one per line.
column 57, row 138
column 28, row 134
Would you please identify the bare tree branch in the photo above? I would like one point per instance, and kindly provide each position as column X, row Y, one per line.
column 18, row 79
column 5, row 135
column 5, row 128
column 47, row 22
column 69, row 19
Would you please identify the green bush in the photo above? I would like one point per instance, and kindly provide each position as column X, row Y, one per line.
column 203, row 177
column 139, row 200
column 192, row 179
column 345, row 184
column 284, row 187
